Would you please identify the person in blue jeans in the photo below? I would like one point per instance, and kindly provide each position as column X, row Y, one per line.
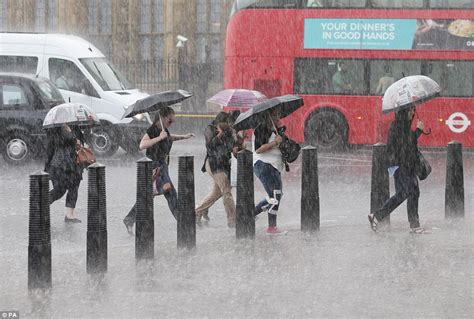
column 402, row 152
column 268, row 165
column 158, row 142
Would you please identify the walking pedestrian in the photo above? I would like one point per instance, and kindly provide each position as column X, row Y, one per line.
column 402, row 152
column 220, row 143
column 158, row 142
column 268, row 165
column 61, row 165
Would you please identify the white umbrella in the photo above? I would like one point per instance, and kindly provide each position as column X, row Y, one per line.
column 408, row 90
column 70, row 114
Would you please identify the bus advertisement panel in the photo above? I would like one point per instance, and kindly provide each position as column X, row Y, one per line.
column 341, row 61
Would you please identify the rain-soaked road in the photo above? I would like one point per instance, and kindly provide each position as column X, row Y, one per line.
column 345, row 270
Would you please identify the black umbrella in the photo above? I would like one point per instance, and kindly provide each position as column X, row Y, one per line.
column 155, row 102
column 286, row 104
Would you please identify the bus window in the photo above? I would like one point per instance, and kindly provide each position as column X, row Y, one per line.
column 323, row 76
column 348, row 77
column 444, row 4
column 454, row 77
column 381, row 76
column 397, row 3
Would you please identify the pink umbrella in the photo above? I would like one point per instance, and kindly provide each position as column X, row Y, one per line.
column 237, row 98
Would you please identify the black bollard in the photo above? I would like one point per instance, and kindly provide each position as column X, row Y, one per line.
column 145, row 224
column 379, row 187
column 310, row 190
column 96, row 220
column 185, row 212
column 454, row 195
column 39, row 243
column 245, row 208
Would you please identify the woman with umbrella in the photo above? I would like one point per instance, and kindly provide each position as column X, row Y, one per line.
column 221, row 142
column 402, row 153
column 158, row 142
column 268, row 164
column 264, row 118
column 64, row 135
column 402, row 146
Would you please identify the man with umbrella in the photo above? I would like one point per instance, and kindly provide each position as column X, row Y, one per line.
column 158, row 142
column 268, row 163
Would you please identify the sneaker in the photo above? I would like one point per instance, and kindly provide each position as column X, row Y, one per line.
column 129, row 227
column 275, row 231
column 71, row 220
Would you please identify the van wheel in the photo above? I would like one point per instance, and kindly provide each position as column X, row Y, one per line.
column 327, row 130
column 102, row 141
column 17, row 148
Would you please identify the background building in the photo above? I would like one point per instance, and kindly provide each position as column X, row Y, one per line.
column 139, row 36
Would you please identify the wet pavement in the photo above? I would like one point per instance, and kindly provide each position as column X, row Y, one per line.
column 344, row 270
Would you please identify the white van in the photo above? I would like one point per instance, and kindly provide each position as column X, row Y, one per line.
column 82, row 74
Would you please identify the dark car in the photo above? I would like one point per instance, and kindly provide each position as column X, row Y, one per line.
column 24, row 102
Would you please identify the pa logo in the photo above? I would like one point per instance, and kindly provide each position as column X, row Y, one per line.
column 458, row 122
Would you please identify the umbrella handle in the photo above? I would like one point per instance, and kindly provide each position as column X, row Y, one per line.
column 161, row 122
column 428, row 132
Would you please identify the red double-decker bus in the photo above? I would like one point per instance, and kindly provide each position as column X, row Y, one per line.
column 341, row 55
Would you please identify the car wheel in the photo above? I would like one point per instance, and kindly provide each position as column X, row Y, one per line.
column 327, row 130
column 17, row 148
column 102, row 141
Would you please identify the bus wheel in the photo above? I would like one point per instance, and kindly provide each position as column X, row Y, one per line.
column 326, row 130
column 103, row 142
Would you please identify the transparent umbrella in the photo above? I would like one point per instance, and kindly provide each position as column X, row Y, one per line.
column 407, row 91
column 70, row 114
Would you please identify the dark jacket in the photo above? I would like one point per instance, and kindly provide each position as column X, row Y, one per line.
column 219, row 149
column 61, row 152
column 402, row 144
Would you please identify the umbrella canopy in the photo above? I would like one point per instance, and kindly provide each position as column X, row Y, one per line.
column 155, row 102
column 286, row 105
column 70, row 114
column 237, row 98
column 408, row 90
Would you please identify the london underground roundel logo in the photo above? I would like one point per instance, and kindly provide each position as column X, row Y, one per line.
column 458, row 122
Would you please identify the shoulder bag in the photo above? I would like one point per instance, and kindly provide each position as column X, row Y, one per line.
column 84, row 156
column 423, row 168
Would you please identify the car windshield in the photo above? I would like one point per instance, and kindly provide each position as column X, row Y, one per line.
column 50, row 93
column 106, row 76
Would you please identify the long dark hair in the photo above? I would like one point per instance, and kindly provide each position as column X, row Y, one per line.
column 402, row 126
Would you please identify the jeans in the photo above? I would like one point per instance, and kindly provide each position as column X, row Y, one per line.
column 270, row 178
column 171, row 196
column 406, row 188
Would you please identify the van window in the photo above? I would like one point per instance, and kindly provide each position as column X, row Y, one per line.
column 50, row 93
column 20, row 64
column 106, row 76
column 67, row 76
column 13, row 95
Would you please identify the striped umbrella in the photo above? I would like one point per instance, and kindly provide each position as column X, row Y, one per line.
column 237, row 98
